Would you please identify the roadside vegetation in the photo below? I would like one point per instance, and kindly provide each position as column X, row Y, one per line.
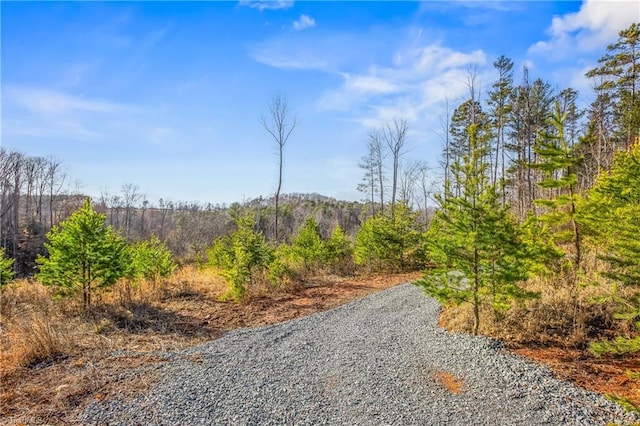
column 529, row 235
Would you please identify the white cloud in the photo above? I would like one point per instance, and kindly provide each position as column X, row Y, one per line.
column 279, row 58
column 596, row 24
column 368, row 84
column 49, row 114
column 304, row 22
column 380, row 75
column 419, row 80
column 267, row 4
column 52, row 102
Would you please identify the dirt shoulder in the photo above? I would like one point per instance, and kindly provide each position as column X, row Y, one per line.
column 608, row 375
column 53, row 392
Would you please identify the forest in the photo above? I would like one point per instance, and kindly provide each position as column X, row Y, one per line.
column 527, row 232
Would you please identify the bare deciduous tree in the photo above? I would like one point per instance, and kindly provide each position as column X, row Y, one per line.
column 395, row 137
column 130, row 196
column 279, row 125
column 372, row 164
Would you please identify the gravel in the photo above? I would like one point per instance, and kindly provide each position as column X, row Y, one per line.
column 371, row 362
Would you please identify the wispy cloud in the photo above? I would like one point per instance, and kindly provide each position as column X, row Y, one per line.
column 325, row 50
column 320, row 51
column 51, row 102
column 267, row 4
column 473, row 6
column 279, row 58
column 596, row 24
column 418, row 80
column 304, row 22
column 409, row 78
column 58, row 115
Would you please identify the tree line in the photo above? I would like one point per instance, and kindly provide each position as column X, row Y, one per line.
column 531, row 186
column 537, row 187
column 36, row 194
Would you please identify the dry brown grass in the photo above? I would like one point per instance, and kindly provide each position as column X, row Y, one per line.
column 557, row 327
column 566, row 312
column 55, row 358
column 32, row 328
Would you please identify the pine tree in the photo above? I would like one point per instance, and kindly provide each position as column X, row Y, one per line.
column 385, row 243
column 84, row 254
column 611, row 215
column 338, row 247
column 6, row 268
column 558, row 161
column 619, row 75
column 531, row 104
column 240, row 256
column 308, row 246
column 151, row 259
column 473, row 241
column 500, row 104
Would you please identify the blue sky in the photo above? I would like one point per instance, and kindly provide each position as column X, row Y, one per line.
column 168, row 96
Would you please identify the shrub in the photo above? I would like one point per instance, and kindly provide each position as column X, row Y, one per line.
column 339, row 252
column 6, row 269
column 240, row 256
column 83, row 255
column 308, row 248
column 151, row 260
column 390, row 243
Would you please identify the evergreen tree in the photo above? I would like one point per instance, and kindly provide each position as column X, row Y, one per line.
column 500, row 108
column 531, row 105
column 383, row 243
column 611, row 215
column 339, row 251
column 240, row 255
column 474, row 243
column 612, row 212
column 151, row 259
column 558, row 161
column 84, row 254
column 619, row 74
column 308, row 247
column 6, row 268
column 597, row 145
column 466, row 114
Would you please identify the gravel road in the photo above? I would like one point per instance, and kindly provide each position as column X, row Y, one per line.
column 371, row 362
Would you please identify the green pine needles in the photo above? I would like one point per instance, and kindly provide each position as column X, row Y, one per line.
column 611, row 215
column 558, row 161
column 391, row 243
column 476, row 246
column 6, row 269
column 84, row 255
column 151, row 260
column 240, row 256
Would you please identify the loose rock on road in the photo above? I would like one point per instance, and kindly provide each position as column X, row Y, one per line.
column 376, row 361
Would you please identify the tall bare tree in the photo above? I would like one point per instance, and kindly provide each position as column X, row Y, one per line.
column 56, row 178
column 445, row 122
column 372, row 164
column 395, row 137
column 368, row 185
column 279, row 124
column 130, row 196
column 425, row 185
column 407, row 181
